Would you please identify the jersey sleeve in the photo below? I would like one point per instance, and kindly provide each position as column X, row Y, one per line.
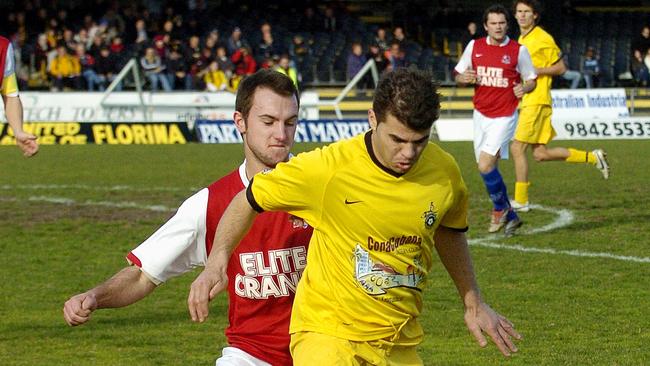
column 456, row 217
column 525, row 64
column 178, row 246
column 295, row 187
column 465, row 61
column 9, row 85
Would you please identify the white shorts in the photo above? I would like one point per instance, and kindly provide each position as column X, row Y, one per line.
column 231, row 356
column 493, row 135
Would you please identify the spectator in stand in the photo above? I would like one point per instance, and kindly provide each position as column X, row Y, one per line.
column 106, row 68
column 153, row 69
column 298, row 50
column 224, row 62
column 141, row 36
column 244, row 63
column 284, row 67
column 396, row 56
column 571, row 75
column 311, row 21
column 42, row 56
column 65, row 70
column 83, row 38
column 470, row 34
column 215, row 79
column 267, row 48
column 177, row 70
column 87, row 63
column 399, row 36
column 68, row 40
column 330, row 21
column 160, row 47
column 118, row 50
column 375, row 53
column 642, row 41
column 640, row 70
column 235, row 42
column 590, row 68
column 96, row 45
column 356, row 60
column 382, row 41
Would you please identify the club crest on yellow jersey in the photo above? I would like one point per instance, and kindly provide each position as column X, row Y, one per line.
column 430, row 216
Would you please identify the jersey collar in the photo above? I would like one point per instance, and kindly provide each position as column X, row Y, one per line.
column 502, row 44
column 368, row 140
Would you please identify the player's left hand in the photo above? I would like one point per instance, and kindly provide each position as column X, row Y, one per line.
column 518, row 89
column 204, row 288
column 27, row 143
column 484, row 319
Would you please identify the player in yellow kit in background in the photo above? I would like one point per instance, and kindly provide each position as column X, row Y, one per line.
column 534, row 128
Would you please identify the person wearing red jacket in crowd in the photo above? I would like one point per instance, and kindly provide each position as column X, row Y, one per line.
column 244, row 62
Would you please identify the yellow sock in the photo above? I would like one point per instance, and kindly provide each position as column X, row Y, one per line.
column 580, row 156
column 521, row 192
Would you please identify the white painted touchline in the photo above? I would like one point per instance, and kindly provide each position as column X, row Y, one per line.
column 70, row 201
column 95, row 188
column 574, row 253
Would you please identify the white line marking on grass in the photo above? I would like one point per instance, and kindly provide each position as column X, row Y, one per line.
column 70, row 202
column 574, row 253
column 94, row 188
column 563, row 218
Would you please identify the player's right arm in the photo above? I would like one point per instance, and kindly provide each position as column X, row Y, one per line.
column 233, row 226
column 464, row 74
column 125, row 288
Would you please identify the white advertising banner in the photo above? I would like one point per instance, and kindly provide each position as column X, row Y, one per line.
column 126, row 107
column 589, row 103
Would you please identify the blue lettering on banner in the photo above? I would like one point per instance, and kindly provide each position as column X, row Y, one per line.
column 223, row 132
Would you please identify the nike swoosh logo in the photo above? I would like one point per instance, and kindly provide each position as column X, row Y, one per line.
column 479, row 55
column 351, row 202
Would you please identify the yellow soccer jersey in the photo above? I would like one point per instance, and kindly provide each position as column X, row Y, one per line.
column 544, row 53
column 372, row 246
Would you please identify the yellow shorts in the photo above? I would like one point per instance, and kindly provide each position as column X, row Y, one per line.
column 310, row 348
column 534, row 125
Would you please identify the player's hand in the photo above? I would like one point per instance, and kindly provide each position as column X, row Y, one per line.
column 78, row 308
column 518, row 89
column 484, row 319
column 27, row 143
column 204, row 288
column 468, row 77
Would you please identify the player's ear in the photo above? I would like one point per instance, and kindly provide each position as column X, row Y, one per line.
column 372, row 119
column 240, row 123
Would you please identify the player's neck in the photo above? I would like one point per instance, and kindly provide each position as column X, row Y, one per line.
column 525, row 31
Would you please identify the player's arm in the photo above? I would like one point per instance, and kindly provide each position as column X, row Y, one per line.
column 527, row 71
column 234, row 224
column 14, row 108
column 463, row 73
column 125, row 288
column 557, row 68
column 453, row 251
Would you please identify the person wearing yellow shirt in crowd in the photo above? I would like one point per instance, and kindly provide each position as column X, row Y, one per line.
column 284, row 66
column 382, row 204
column 215, row 79
column 13, row 108
column 65, row 70
column 534, row 128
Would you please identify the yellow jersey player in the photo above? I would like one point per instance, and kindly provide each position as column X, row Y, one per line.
column 380, row 204
column 534, row 128
column 13, row 107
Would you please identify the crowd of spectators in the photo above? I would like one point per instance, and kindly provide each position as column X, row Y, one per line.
column 179, row 46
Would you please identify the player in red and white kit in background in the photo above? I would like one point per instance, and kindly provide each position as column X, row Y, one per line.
column 496, row 66
column 264, row 270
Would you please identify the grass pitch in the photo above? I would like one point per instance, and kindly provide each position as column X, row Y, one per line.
column 575, row 283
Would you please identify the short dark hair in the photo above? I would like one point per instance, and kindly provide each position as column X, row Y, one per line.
column 495, row 9
column 410, row 95
column 533, row 4
column 264, row 78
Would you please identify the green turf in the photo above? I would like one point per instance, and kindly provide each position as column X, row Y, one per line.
column 571, row 310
